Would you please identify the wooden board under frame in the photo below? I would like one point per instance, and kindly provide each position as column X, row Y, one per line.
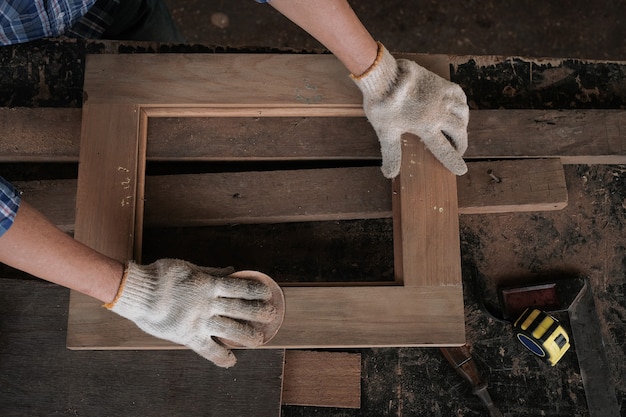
column 423, row 307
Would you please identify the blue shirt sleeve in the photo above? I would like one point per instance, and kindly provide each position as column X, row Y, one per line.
column 9, row 203
column 26, row 20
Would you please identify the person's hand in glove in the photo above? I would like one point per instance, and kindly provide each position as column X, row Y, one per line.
column 399, row 96
column 193, row 306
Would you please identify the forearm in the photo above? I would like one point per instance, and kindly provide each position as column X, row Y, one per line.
column 334, row 24
column 36, row 246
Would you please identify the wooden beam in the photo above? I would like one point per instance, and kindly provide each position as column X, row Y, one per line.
column 241, row 197
column 224, row 80
column 108, row 177
column 106, row 199
column 269, row 197
column 425, row 210
column 575, row 136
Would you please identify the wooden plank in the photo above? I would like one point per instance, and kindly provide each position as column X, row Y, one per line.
column 576, row 136
column 425, row 316
column 107, row 179
column 322, row 379
column 304, row 80
column 40, row 377
column 344, row 317
column 106, row 194
column 262, row 138
column 39, row 134
column 269, row 197
column 241, row 197
column 532, row 184
column 425, row 209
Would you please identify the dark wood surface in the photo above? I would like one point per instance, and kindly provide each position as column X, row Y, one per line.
column 589, row 136
column 40, row 377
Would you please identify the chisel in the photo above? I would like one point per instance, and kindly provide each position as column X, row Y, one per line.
column 462, row 361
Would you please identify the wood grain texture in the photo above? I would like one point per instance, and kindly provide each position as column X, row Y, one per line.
column 189, row 80
column 322, row 379
column 107, row 179
column 40, row 377
column 220, row 79
column 344, row 317
column 39, row 134
column 268, row 197
column 316, row 317
column 426, row 219
column 428, row 311
column 282, row 138
column 241, row 197
column 106, row 195
column 215, row 199
column 576, row 136
column 536, row 184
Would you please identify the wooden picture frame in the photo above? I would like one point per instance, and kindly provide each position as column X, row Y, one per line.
column 423, row 307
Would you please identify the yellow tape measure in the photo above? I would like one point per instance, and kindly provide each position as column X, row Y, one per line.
column 542, row 335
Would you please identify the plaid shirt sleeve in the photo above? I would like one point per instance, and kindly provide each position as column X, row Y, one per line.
column 26, row 20
column 9, row 203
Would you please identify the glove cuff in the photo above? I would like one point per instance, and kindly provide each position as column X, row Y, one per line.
column 136, row 287
column 380, row 77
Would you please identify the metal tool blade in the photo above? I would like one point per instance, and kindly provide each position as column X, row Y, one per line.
column 592, row 359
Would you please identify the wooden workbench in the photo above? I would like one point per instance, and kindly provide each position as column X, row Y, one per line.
column 58, row 380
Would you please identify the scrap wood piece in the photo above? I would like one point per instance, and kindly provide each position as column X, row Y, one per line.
column 241, row 197
column 577, row 136
column 513, row 185
column 268, row 196
column 322, row 379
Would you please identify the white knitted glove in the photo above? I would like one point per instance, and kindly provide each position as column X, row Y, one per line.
column 192, row 306
column 399, row 96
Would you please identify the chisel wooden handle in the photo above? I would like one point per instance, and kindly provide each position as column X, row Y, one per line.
column 461, row 360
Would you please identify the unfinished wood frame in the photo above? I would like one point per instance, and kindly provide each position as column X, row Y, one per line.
column 425, row 305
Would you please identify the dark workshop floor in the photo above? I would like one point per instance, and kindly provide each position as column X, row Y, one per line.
column 586, row 237
column 569, row 29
